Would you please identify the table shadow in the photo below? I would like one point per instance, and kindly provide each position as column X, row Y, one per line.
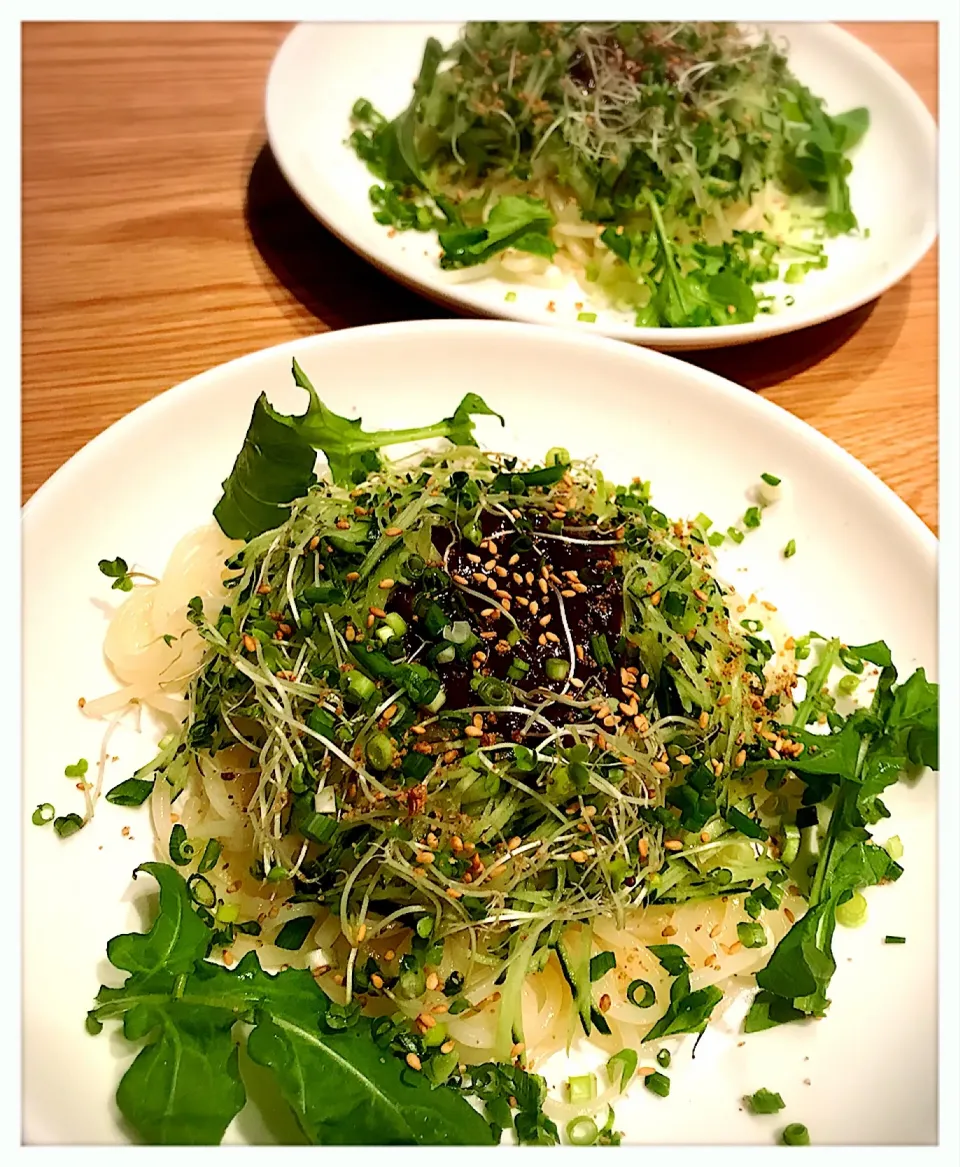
column 344, row 291
column 328, row 279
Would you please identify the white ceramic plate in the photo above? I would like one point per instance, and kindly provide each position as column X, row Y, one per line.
column 321, row 69
column 865, row 568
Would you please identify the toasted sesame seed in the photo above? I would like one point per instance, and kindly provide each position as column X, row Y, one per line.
column 517, row 577
column 386, row 584
column 578, row 856
column 673, row 845
column 581, row 652
column 491, row 584
column 361, row 933
column 644, row 681
column 740, row 758
column 724, row 700
column 661, row 767
column 643, row 848
column 472, row 731
column 432, row 981
column 425, row 857
column 490, row 565
column 604, row 1002
column 543, row 585
column 448, row 1047
column 684, row 759
column 413, row 1061
column 458, row 579
column 790, row 916
column 655, row 599
column 670, row 930
column 513, row 559
column 378, row 612
column 249, row 643
column 704, row 720
column 376, row 980
column 479, row 577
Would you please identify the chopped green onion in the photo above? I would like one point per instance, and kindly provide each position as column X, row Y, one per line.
column 557, row 668
column 181, row 850
column 649, row 996
column 395, row 622
column 380, row 752
column 894, row 939
column 894, row 847
column 228, row 914
column 770, row 479
column 277, row 874
column 621, row 1067
column 752, row 625
column 795, row 1135
column 518, row 669
column 663, row 1058
column 587, row 317
column 43, row 814
column 600, row 651
column 201, row 891
column 446, row 655
column 424, row 927
column 67, row 825
column 752, row 935
column 791, row 844
column 853, row 913
column 557, row 456
column 437, row 703
column 790, row 550
column 292, row 935
column 703, row 522
column 460, row 1005
column 752, row 517
column 582, row 1088
column 360, row 686
column 211, row 853
column 510, row 297
column 582, row 1131
column 848, row 684
column 735, row 535
column 657, row 1083
column 764, row 1102
column 132, row 792
column 716, row 539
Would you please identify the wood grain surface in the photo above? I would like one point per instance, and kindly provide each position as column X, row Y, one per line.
column 159, row 239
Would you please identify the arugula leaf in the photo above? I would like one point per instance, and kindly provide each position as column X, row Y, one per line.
column 867, row 754
column 517, row 221
column 177, row 939
column 341, row 1086
column 276, row 463
column 687, row 1012
column 274, row 467
column 185, row 1087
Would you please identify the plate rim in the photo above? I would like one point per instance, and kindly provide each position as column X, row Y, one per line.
column 909, row 520
column 691, row 339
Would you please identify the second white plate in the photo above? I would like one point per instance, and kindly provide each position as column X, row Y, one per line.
column 321, row 70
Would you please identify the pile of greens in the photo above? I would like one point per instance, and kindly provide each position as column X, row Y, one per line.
column 431, row 753
column 662, row 133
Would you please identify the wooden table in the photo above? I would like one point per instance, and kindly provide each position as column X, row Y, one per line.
column 159, row 239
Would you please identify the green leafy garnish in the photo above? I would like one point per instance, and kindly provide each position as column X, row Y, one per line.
column 516, row 221
column 118, row 571
column 275, row 465
column 764, row 1102
column 185, row 1087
